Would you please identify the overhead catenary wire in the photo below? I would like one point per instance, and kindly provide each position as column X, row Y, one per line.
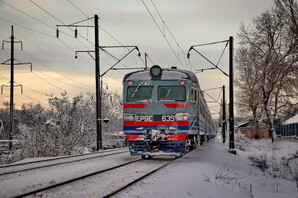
column 46, row 24
column 212, row 97
column 104, row 30
column 55, row 58
column 48, row 82
column 163, row 34
column 43, row 9
column 41, row 32
column 178, row 45
column 69, row 27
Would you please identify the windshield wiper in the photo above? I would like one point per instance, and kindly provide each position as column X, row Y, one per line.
column 135, row 91
column 168, row 93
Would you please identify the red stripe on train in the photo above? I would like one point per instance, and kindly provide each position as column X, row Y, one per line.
column 155, row 124
column 135, row 137
column 175, row 137
column 167, row 137
column 177, row 105
column 134, row 106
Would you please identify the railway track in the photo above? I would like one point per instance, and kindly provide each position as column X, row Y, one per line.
column 124, row 186
column 119, row 172
column 108, row 182
column 17, row 180
column 27, row 166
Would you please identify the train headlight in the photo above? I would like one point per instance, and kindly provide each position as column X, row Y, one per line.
column 128, row 117
column 182, row 116
column 155, row 71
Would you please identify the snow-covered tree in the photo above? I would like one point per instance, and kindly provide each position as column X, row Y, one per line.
column 67, row 125
column 267, row 63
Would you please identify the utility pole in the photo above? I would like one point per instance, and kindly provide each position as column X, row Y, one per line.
column 12, row 41
column 11, row 86
column 98, row 76
column 98, row 87
column 231, row 97
column 231, row 84
column 224, row 115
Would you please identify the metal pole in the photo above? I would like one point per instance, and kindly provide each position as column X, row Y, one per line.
column 11, row 86
column 231, row 106
column 146, row 61
column 97, row 86
column 224, row 114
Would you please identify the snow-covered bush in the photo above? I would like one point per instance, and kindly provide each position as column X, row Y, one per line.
column 279, row 160
column 259, row 161
column 68, row 126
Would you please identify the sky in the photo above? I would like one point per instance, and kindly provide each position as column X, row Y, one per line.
column 165, row 33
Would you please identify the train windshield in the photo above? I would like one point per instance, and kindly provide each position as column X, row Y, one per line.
column 135, row 93
column 171, row 93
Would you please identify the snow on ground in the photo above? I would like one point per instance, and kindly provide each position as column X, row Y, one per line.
column 212, row 172
column 260, row 169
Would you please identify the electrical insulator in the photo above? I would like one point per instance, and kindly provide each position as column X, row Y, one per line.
column 57, row 33
column 76, row 33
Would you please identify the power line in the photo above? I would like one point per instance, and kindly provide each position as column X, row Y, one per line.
column 48, row 82
column 45, row 11
column 26, row 14
column 55, row 59
column 105, row 31
column 77, row 8
column 43, row 34
column 53, row 36
column 163, row 21
column 163, row 34
column 26, row 27
column 55, row 70
column 71, row 29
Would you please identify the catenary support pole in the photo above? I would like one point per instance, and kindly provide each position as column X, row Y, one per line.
column 97, row 85
column 11, row 86
column 231, row 98
column 224, row 114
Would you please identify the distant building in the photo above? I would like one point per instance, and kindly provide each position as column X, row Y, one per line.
column 292, row 120
column 253, row 132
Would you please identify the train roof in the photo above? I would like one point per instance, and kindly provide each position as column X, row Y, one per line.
column 167, row 74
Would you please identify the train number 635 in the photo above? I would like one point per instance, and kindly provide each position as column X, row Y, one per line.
column 168, row 118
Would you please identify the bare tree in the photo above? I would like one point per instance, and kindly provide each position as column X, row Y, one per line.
column 268, row 58
column 249, row 92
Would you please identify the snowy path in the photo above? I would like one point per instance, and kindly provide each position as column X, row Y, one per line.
column 212, row 172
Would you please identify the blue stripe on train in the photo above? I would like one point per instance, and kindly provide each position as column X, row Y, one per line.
column 132, row 128
column 168, row 133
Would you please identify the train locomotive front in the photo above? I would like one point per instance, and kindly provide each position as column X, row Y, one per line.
column 160, row 111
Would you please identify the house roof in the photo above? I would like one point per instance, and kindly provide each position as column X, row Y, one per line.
column 292, row 120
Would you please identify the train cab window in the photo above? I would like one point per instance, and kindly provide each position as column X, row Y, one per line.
column 136, row 93
column 171, row 93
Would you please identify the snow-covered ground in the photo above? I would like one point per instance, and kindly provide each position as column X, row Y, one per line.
column 213, row 172
column 260, row 169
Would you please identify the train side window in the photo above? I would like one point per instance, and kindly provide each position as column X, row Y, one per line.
column 193, row 95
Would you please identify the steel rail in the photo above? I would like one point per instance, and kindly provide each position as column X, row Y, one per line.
column 74, row 179
column 55, row 158
column 144, row 176
column 59, row 163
